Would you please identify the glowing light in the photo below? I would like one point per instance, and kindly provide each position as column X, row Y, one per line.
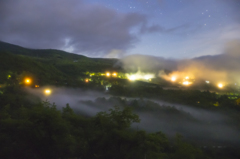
column 132, row 78
column 86, row 80
column 114, row 74
column 147, row 77
column 47, row 91
column 186, row 83
column 187, row 77
column 220, row 85
column 36, row 86
column 27, row 81
column 108, row 74
column 173, row 79
column 140, row 76
column 207, row 82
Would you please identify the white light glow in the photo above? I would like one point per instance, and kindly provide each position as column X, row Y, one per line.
column 173, row 79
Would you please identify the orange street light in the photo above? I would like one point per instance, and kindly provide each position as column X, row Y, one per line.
column 27, row 81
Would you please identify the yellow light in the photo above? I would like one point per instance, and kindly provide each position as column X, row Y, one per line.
column 187, row 77
column 220, row 85
column 27, row 81
column 86, row 80
column 36, row 86
column 173, row 79
column 108, row 74
column 132, row 78
column 147, row 77
column 114, row 74
column 47, row 91
column 186, row 83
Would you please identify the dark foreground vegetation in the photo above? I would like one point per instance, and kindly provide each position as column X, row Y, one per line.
column 31, row 128
column 38, row 130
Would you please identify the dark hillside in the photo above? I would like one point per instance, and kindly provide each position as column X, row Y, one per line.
column 49, row 66
column 60, row 58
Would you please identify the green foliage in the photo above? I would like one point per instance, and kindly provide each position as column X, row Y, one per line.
column 39, row 130
column 34, row 129
column 184, row 150
column 46, row 67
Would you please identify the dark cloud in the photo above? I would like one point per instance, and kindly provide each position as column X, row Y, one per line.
column 65, row 24
column 181, row 29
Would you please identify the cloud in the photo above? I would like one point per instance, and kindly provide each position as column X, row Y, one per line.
column 151, row 29
column 67, row 24
column 218, row 68
column 147, row 63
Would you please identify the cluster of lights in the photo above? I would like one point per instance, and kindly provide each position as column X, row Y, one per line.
column 132, row 78
column 114, row 74
column 140, row 76
column 28, row 81
column 186, row 80
column 219, row 85
column 147, row 77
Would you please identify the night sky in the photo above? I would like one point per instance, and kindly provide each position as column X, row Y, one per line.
column 175, row 29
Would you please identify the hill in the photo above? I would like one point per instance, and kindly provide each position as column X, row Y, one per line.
column 49, row 65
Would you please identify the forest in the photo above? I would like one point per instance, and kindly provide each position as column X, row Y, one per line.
column 36, row 128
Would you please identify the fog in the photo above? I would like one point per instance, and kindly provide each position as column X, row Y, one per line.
column 202, row 126
column 61, row 96
column 223, row 67
column 199, row 125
